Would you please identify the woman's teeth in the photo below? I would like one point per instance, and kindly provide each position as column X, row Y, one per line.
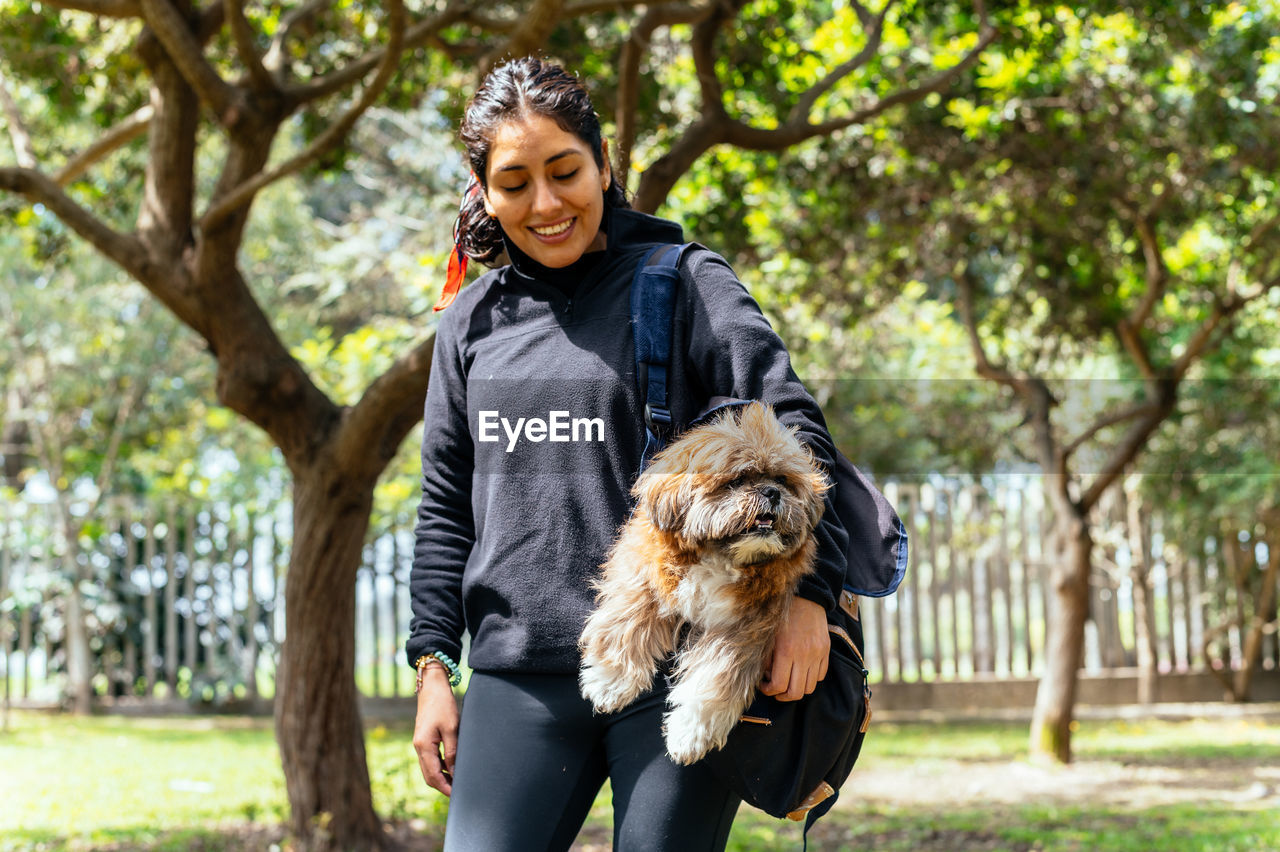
column 552, row 230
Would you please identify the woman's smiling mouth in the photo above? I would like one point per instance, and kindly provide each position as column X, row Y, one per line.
column 559, row 229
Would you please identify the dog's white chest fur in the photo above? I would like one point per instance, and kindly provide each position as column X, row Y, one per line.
column 704, row 596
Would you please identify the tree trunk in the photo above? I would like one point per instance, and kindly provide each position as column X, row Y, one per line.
column 1144, row 617
column 79, row 657
column 1262, row 620
column 1064, row 643
column 317, row 714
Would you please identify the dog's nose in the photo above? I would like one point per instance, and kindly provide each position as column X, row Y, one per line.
column 773, row 495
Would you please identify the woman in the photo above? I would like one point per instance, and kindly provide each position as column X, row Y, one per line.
column 533, row 438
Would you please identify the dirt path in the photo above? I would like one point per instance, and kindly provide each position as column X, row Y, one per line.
column 963, row 783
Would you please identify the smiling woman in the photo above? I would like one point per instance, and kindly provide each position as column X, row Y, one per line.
column 517, row 515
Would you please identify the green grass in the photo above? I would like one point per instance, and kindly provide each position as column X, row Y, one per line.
column 1022, row 829
column 206, row 783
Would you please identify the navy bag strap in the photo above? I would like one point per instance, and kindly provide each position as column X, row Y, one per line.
column 653, row 293
column 876, row 553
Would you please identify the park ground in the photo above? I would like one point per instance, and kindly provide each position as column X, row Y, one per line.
column 1189, row 782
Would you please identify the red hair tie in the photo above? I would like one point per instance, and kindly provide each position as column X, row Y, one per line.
column 457, row 271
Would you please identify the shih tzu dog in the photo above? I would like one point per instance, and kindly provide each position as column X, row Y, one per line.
column 721, row 534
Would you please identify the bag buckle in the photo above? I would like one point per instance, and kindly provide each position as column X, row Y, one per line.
column 656, row 414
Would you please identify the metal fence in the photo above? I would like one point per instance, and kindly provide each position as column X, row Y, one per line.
column 186, row 600
column 975, row 598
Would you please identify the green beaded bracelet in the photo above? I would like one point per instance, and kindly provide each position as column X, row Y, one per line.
column 450, row 667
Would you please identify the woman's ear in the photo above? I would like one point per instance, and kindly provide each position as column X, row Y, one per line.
column 488, row 208
column 606, row 174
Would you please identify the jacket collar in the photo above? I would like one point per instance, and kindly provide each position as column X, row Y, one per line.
column 627, row 231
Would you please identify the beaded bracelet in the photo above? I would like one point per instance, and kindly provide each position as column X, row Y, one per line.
column 445, row 662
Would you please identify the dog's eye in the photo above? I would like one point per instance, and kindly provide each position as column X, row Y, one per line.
column 736, row 482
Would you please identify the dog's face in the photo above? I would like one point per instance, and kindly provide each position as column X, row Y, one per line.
column 742, row 485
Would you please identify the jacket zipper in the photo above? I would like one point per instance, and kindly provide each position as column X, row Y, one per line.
column 568, row 308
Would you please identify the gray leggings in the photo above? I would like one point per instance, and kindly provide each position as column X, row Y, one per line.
column 532, row 756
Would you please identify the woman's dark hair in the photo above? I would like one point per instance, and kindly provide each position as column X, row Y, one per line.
column 511, row 91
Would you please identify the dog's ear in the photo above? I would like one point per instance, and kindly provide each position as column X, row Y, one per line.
column 815, row 507
column 666, row 498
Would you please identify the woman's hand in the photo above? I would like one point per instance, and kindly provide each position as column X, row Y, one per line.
column 800, row 652
column 435, row 729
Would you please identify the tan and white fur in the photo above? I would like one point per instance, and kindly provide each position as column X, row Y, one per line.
column 720, row 536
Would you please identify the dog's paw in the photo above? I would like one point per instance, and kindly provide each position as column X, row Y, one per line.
column 690, row 736
column 610, row 689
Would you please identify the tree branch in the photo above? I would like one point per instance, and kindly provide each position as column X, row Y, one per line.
column 22, row 147
column 1037, row 400
column 415, row 36
column 536, row 26
column 1131, row 339
column 1113, row 419
column 48, row 450
column 707, row 131
column 1223, row 311
column 164, row 280
column 936, row 83
column 1158, row 410
column 589, row 7
column 716, row 126
column 875, row 31
column 489, row 23
column 702, row 45
column 276, row 59
column 242, row 194
column 243, row 35
column 1157, row 279
column 633, row 51
column 127, row 405
column 964, row 304
column 120, row 135
column 169, row 185
column 125, row 250
column 864, row 14
column 184, row 50
column 798, row 127
column 373, row 429
column 1165, row 387
column 103, row 8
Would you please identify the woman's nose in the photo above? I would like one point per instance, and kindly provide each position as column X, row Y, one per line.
column 546, row 201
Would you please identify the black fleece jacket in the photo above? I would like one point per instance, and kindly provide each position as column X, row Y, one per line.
column 517, row 516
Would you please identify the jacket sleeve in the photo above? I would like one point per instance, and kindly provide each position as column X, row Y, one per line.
column 445, row 530
column 735, row 352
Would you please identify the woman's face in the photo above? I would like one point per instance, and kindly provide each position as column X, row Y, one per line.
column 545, row 189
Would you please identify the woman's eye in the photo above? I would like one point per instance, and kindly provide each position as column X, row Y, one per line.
column 567, row 175
column 515, row 188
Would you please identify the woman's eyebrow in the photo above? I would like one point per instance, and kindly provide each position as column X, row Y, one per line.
column 565, row 153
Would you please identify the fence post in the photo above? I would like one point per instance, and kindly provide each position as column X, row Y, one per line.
column 189, row 591
column 149, row 638
column 953, row 582
column 170, row 598
column 931, row 552
column 253, row 613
